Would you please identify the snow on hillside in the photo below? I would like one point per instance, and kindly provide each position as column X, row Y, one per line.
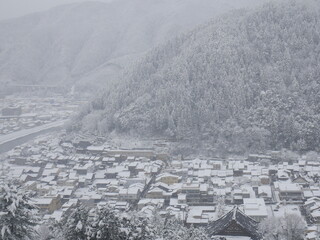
column 93, row 41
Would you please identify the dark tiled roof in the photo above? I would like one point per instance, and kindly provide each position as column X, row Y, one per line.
column 238, row 218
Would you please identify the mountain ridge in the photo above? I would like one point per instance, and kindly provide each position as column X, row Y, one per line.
column 240, row 82
column 67, row 42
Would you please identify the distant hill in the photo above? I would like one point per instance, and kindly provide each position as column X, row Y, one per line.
column 246, row 80
column 92, row 42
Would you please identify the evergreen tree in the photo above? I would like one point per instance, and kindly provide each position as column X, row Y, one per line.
column 174, row 230
column 139, row 227
column 74, row 225
column 51, row 230
column 106, row 225
column 17, row 214
column 197, row 233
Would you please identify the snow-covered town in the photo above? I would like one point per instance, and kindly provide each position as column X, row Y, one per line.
column 160, row 120
column 19, row 113
column 60, row 173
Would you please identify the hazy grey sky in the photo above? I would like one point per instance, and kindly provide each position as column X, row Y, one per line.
column 17, row 8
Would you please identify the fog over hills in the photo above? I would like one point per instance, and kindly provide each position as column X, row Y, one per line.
column 91, row 42
column 248, row 80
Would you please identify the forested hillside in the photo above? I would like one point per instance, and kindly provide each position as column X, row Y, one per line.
column 247, row 80
column 89, row 43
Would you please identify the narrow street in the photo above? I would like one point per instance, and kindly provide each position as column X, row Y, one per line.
column 134, row 205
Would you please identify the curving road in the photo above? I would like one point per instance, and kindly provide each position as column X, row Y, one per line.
column 11, row 140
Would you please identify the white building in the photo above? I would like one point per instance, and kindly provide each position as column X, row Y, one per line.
column 255, row 208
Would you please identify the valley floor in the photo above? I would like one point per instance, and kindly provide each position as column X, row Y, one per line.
column 61, row 172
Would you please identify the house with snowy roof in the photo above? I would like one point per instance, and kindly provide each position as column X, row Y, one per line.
column 283, row 175
column 255, row 208
column 236, row 224
column 302, row 181
column 312, row 207
column 311, row 202
column 156, row 192
column 48, row 203
column 31, row 185
column 245, row 191
column 84, row 169
column 200, row 215
column 130, row 181
column 265, row 192
column 289, row 191
column 158, row 203
column 132, row 193
column 168, row 178
column 111, row 173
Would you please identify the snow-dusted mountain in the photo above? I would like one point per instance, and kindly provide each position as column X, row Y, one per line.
column 247, row 80
column 92, row 42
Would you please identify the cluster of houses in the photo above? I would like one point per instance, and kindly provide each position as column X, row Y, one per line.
column 18, row 113
column 60, row 174
column 201, row 191
column 196, row 191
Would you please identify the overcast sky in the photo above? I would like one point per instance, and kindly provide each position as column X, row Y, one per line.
column 17, row 8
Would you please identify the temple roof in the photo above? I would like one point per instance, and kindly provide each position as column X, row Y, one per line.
column 238, row 218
